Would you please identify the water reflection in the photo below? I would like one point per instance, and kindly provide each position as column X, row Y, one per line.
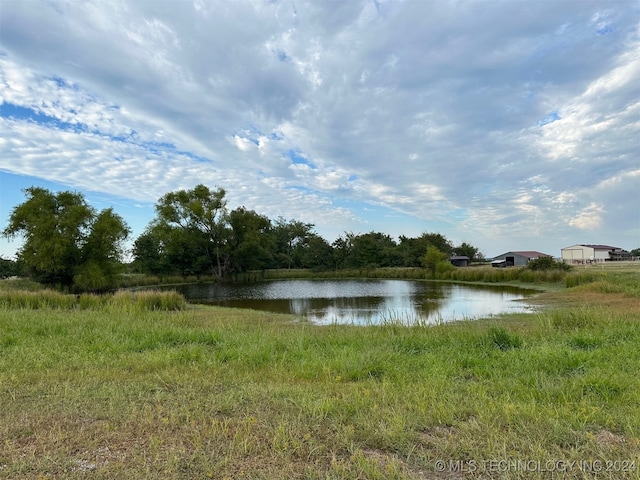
column 364, row 301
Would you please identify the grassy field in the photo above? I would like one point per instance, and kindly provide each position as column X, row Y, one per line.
column 136, row 386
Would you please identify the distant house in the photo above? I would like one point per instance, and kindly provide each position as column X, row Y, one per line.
column 584, row 253
column 460, row 260
column 516, row 259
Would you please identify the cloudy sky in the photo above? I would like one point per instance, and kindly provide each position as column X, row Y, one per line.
column 511, row 125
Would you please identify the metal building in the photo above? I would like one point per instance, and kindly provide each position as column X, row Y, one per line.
column 584, row 253
column 516, row 259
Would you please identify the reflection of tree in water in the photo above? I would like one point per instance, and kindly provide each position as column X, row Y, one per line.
column 431, row 298
column 364, row 302
column 340, row 308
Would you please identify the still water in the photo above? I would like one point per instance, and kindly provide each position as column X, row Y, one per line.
column 365, row 301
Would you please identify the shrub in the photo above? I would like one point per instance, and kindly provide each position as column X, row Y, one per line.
column 547, row 263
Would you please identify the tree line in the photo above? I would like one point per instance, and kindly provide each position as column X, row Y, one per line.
column 194, row 233
column 67, row 242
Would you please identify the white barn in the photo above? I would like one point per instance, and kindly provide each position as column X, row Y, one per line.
column 590, row 253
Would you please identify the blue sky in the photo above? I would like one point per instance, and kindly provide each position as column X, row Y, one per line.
column 511, row 125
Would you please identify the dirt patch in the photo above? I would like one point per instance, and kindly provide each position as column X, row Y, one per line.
column 437, row 434
column 91, row 460
column 608, row 439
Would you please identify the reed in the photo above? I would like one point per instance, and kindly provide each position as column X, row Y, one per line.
column 580, row 278
column 121, row 300
column 41, row 299
column 147, row 300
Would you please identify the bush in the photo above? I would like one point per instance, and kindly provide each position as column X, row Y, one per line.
column 547, row 263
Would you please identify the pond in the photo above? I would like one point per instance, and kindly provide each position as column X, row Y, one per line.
column 365, row 302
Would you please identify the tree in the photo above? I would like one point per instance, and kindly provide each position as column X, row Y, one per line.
column 198, row 212
column 547, row 263
column 468, row 250
column 317, row 253
column 411, row 250
column 65, row 240
column 342, row 247
column 250, row 240
column 148, row 253
column 438, row 241
column 290, row 237
column 102, row 251
column 433, row 260
column 8, row 268
column 373, row 249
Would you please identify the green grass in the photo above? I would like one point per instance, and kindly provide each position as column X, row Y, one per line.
column 482, row 274
column 12, row 298
column 137, row 392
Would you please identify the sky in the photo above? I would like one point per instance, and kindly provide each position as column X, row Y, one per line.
column 510, row 125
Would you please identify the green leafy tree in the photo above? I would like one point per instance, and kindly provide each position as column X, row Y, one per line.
column 434, row 260
column 201, row 214
column 411, row 250
column 342, row 247
column 317, row 253
column 468, row 250
column 8, row 268
column 102, row 252
column 373, row 249
column 188, row 252
column 438, row 241
column 148, row 253
column 547, row 263
column 65, row 240
column 290, row 238
column 250, row 240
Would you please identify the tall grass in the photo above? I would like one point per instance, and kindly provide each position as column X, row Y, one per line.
column 37, row 299
column 581, row 278
column 148, row 300
column 627, row 283
column 143, row 280
column 469, row 274
column 122, row 300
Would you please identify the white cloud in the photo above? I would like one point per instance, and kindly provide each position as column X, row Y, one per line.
column 588, row 219
column 243, row 144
